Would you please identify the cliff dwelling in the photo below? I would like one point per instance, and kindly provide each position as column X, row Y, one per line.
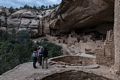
column 86, row 28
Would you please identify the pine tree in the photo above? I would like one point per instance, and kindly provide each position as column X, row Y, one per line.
column 46, row 7
column 34, row 7
column 42, row 7
column 50, row 6
column 11, row 9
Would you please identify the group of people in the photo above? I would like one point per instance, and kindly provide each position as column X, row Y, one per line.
column 40, row 55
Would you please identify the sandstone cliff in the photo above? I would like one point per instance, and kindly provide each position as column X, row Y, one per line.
column 76, row 14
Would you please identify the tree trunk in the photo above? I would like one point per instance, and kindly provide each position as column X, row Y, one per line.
column 117, row 35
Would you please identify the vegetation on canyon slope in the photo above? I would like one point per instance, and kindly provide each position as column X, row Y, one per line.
column 16, row 48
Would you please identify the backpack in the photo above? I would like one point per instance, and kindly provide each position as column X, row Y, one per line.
column 34, row 54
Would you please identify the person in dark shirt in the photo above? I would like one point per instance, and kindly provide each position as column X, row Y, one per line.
column 45, row 58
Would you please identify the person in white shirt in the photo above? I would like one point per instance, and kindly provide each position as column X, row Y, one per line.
column 34, row 56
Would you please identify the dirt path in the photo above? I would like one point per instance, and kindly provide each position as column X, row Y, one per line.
column 26, row 72
column 22, row 71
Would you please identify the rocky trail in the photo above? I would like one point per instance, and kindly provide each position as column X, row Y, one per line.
column 27, row 72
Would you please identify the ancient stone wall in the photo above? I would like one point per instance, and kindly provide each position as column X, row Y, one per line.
column 105, row 55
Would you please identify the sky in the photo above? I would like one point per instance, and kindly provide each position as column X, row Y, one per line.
column 19, row 3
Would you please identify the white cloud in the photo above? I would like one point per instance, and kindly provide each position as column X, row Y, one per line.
column 18, row 3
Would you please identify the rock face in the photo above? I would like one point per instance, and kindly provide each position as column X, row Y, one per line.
column 4, row 12
column 28, row 19
column 76, row 14
column 25, row 19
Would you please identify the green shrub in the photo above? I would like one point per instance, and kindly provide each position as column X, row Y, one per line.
column 15, row 50
column 3, row 35
column 53, row 49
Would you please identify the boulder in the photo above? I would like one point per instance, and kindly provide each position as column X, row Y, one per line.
column 24, row 13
